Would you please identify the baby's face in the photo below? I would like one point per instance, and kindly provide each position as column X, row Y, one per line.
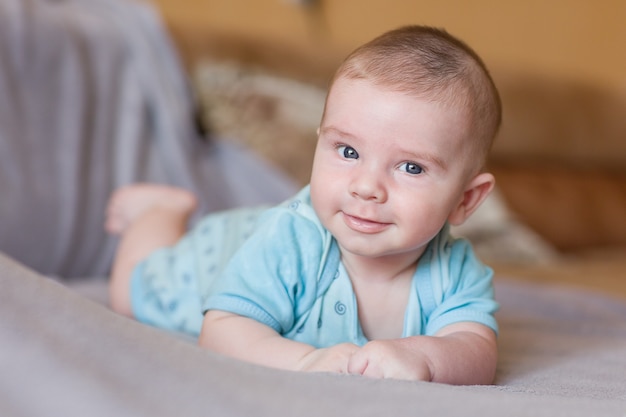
column 389, row 169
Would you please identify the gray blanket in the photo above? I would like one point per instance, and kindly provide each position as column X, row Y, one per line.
column 562, row 353
column 92, row 96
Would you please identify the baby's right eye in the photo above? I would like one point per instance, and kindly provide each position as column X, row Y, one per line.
column 348, row 152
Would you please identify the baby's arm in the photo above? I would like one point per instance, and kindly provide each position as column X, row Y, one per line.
column 247, row 339
column 461, row 353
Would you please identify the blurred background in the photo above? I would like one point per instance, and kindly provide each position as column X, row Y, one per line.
column 258, row 71
column 580, row 40
column 560, row 67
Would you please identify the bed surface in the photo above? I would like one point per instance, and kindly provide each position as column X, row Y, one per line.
column 562, row 352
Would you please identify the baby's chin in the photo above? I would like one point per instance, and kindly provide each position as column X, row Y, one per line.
column 370, row 251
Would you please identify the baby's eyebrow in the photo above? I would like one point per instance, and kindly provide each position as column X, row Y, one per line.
column 335, row 131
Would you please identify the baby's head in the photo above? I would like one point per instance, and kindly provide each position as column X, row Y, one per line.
column 408, row 123
column 431, row 64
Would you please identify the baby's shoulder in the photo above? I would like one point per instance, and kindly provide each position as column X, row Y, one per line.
column 294, row 215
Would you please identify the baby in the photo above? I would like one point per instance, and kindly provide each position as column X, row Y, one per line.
column 357, row 273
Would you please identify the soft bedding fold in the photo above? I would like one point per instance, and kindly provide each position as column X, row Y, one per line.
column 62, row 354
column 93, row 97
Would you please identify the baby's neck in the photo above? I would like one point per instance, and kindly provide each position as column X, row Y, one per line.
column 381, row 287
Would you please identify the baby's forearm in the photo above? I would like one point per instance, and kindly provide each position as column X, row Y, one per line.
column 462, row 357
column 251, row 341
column 463, row 354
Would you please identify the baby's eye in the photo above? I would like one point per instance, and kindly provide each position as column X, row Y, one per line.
column 348, row 152
column 412, row 168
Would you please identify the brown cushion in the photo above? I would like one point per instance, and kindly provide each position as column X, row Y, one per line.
column 573, row 208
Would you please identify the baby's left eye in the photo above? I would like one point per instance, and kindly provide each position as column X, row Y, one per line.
column 348, row 152
column 412, row 168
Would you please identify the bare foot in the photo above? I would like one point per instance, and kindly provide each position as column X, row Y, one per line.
column 128, row 203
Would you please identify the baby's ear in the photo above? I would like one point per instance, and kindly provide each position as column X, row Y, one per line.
column 475, row 193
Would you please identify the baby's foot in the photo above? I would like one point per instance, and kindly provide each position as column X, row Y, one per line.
column 128, row 203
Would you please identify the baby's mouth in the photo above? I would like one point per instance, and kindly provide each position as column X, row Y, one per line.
column 363, row 225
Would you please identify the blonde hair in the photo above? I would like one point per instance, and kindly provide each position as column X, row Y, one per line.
column 430, row 63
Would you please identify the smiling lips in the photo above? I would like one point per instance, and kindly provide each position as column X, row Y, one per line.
column 363, row 225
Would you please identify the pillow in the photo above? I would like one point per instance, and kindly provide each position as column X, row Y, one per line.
column 276, row 116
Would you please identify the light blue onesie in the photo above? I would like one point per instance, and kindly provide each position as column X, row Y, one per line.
column 288, row 275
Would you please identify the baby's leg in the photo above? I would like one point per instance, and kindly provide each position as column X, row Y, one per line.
column 147, row 217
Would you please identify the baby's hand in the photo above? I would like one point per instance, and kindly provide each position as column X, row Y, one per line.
column 331, row 359
column 398, row 359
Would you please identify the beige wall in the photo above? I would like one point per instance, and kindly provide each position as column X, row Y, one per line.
column 573, row 39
